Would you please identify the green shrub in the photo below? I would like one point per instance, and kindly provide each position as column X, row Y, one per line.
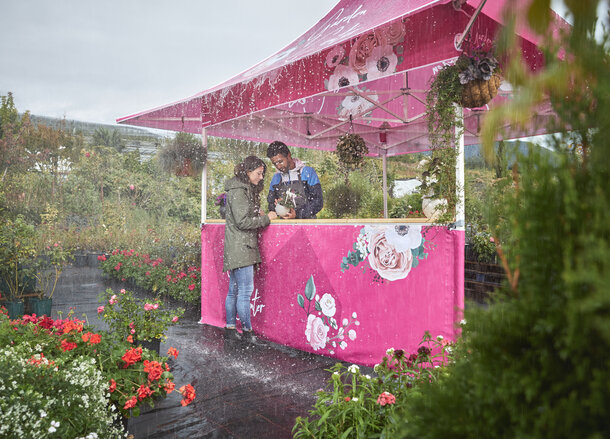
column 342, row 200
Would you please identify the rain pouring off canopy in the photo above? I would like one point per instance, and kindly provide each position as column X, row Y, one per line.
column 364, row 68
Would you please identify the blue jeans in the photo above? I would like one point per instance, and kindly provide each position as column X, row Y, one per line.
column 241, row 285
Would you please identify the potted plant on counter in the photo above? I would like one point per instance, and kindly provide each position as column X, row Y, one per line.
column 139, row 321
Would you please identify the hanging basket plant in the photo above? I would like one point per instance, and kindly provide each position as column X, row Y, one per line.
column 351, row 150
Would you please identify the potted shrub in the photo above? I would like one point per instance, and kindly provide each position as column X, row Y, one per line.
column 50, row 266
column 283, row 207
column 17, row 252
column 139, row 321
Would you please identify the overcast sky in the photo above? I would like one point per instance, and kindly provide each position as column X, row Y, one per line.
column 100, row 60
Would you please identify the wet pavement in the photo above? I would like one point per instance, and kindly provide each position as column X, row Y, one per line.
column 243, row 390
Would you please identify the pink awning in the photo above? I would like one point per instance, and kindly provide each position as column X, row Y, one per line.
column 329, row 81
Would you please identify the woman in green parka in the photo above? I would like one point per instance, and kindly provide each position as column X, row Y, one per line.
column 243, row 221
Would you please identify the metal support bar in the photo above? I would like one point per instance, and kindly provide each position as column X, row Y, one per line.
column 385, row 184
column 204, row 178
column 460, row 216
column 459, row 38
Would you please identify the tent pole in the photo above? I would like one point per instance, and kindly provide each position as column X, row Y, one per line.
column 385, row 184
column 204, row 177
column 460, row 222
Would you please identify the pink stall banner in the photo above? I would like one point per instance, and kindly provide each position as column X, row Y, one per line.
column 345, row 291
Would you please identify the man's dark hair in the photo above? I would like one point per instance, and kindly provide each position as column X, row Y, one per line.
column 276, row 148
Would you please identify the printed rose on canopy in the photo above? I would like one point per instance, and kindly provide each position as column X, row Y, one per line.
column 381, row 62
column 343, row 76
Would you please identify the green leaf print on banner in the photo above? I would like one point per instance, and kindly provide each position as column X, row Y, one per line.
column 310, row 288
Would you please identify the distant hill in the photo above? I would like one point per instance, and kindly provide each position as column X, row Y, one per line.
column 141, row 139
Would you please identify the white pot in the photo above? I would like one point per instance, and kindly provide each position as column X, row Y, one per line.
column 281, row 210
column 433, row 207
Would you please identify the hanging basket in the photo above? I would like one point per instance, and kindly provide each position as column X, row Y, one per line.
column 351, row 150
column 479, row 92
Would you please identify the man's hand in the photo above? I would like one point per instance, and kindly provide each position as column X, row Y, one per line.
column 290, row 215
column 272, row 215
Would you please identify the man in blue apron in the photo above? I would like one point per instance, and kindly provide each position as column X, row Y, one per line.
column 303, row 182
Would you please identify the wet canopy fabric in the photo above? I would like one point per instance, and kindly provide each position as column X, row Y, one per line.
column 364, row 68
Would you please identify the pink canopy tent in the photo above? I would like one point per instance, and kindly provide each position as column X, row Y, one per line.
column 364, row 68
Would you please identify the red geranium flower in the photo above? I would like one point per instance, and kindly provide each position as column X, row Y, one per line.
column 112, row 387
column 173, row 351
column 188, row 394
column 67, row 345
column 132, row 356
column 131, row 403
column 169, row 386
column 153, row 369
column 144, row 392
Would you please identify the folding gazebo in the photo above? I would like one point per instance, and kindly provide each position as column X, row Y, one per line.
column 348, row 289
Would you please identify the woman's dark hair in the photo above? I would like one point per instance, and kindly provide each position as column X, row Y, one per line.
column 249, row 164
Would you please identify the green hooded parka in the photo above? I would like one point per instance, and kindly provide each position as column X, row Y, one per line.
column 243, row 221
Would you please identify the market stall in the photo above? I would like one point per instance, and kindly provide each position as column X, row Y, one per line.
column 349, row 288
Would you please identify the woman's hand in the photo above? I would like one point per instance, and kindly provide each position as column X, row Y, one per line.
column 272, row 215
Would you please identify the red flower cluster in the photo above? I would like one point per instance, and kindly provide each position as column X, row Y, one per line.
column 130, row 403
column 38, row 360
column 112, row 387
column 173, row 352
column 144, row 392
column 386, row 398
column 68, row 345
column 132, row 356
column 101, row 258
column 188, row 394
column 91, row 338
column 153, row 369
column 169, row 386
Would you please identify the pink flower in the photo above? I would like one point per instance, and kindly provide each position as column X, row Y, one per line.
column 390, row 263
column 113, row 299
column 87, row 155
column 316, row 332
column 147, row 273
column 156, row 306
column 132, row 331
column 100, row 309
column 334, row 57
column 131, row 187
column 56, row 245
column 381, row 62
column 386, row 398
column 342, row 77
column 191, row 287
column 148, row 307
column 122, row 290
column 175, row 319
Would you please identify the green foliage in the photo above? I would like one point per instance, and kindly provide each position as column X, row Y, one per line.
column 355, row 405
column 183, row 156
column 109, row 138
column 142, row 319
column 539, row 362
column 17, row 251
column 342, row 200
column 408, row 206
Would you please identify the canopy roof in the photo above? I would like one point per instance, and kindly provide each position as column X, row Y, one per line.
column 364, row 68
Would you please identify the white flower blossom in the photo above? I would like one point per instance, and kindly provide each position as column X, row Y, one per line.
column 390, row 351
column 440, row 337
column 343, row 345
column 351, row 334
column 353, row 368
column 463, row 322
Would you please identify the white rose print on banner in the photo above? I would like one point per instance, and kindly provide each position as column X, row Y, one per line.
column 392, row 251
column 322, row 330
